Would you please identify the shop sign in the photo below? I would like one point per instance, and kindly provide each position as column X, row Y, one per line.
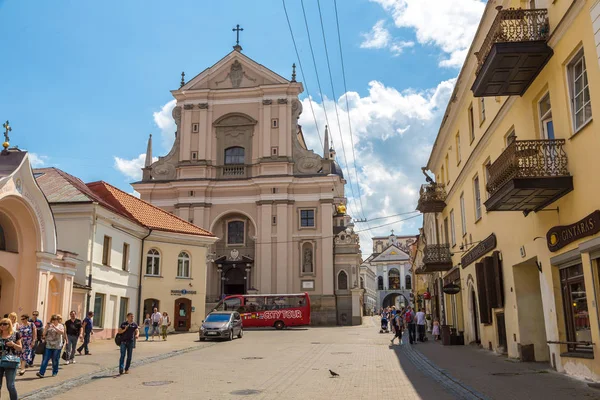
column 485, row 246
column 427, row 296
column 560, row 236
column 182, row 292
column 451, row 289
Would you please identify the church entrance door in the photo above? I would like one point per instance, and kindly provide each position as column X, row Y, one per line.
column 234, row 282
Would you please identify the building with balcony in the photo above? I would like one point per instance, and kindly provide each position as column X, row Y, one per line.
column 515, row 154
column 240, row 167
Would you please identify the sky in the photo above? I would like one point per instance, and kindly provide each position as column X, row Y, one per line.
column 84, row 83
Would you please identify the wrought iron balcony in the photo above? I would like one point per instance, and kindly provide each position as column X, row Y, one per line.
column 528, row 175
column 432, row 198
column 513, row 53
column 235, row 171
column 436, row 257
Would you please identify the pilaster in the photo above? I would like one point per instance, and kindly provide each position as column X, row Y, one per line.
column 264, row 247
column 326, row 212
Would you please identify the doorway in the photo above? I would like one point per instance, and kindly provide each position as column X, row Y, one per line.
column 501, row 325
column 183, row 314
column 149, row 306
column 234, row 282
column 475, row 315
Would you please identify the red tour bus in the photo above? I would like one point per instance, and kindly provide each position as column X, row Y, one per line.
column 277, row 310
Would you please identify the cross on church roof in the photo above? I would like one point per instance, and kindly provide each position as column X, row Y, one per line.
column 237, row 31
column 7, row 129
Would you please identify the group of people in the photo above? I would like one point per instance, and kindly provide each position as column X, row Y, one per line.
column 399, row 319
column 29, row 336
column 157, row 324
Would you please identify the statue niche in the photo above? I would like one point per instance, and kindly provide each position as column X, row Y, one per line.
column 307, row 258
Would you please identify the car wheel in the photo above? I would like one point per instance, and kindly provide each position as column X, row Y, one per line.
column 202, row 339
column 241, row 333
column 279, row 325
column 230, row 338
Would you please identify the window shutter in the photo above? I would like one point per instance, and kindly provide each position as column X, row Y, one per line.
column 490, row 282
column 499, row 281
column 485, row 311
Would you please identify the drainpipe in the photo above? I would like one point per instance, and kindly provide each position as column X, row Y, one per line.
column 91, row 258
column 141, row 317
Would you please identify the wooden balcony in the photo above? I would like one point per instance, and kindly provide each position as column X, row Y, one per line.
column 436, row 258
column 528, row 176
column 432, row 198
column 513, row 53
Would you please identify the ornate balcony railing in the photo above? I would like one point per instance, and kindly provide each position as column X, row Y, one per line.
column 432, row 197
column 514, row 25
column 233, row 171
column 437, row 254
column 528, row 159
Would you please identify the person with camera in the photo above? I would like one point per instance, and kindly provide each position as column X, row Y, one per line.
column 129, row 332
column 10, row 345
column 54, row 336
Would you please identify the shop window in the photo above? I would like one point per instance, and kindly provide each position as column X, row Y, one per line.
column 394, row 279
column 577, row 318
column 342, row 280
column 235, row 232
column 99, row 310
column 380, row 283
column 183, row 265
column 153, row 263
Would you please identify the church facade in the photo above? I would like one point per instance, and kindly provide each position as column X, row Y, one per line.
column 240, row 168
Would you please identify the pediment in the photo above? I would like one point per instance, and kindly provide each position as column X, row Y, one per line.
column 233, row 71
column 392, row 253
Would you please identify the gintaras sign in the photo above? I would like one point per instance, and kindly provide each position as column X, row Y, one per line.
column 560, row 236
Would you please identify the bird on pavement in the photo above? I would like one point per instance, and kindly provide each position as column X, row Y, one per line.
column 333, row 374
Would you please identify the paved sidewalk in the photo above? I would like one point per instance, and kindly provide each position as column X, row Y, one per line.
column 105, row 357
column 490, row 376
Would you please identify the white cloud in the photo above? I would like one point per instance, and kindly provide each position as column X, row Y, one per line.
column 132, row 169
column 37, row 160
column 380, row 38
column 449, row 25
column 165, row 122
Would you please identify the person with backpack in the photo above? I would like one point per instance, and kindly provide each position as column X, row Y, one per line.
column 409, row 319
column 129, row 332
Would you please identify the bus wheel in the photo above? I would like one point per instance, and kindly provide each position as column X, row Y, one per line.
column 279, row 325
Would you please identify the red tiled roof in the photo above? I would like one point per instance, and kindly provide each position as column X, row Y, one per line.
column 143, row 212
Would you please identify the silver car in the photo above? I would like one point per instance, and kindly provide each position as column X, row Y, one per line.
column 221, row 325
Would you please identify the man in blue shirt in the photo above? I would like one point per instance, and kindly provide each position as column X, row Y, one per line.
column 129, row 332
column 39, row 326
column 88, row 324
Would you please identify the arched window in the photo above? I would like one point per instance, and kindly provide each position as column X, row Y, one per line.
column 153, row 263
column 234, row 155
column 362, row 283
column 407, row 282
column 235, row 232
column 394, row 279
column 342, row 281
column 183, row 265
column 380, row 283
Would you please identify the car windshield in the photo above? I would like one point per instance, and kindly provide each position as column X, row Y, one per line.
column 217, row 318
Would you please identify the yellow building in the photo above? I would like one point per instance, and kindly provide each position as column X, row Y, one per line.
column 512, row 217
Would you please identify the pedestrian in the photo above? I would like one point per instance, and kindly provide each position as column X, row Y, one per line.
column 28, row 334
column 39, row 327
column 156, row 317
column 54, row 336
column 436, row 329
column 130, row 332
column 10, row 344
column 399, row 326
column 13, row 319
column 74, row 331
column 409, row 319
column 88, row 324
column 165, row 323
column 421, row 325
column 147, row 323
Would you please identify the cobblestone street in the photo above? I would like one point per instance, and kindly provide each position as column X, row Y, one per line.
column 294, row 364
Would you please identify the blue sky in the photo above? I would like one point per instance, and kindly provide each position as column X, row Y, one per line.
column 84, row 82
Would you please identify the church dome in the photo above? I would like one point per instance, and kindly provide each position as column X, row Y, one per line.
column 337, row 170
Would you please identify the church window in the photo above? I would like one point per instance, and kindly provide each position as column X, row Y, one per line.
column 192, row 193
column 380, row 283
column 153, row 263
column 195, row 128
column 2, row 239
column 274, row 221
column 274, row 122
column 235, row 232
column 342, row 280
column 274, row 190
column 307, row 218
column 183, row 265
column 234, row 155
column 194, row 155
column 407, row 282
column 274, row 150
column 394, row 279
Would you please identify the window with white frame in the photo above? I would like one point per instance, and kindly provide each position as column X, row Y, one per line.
column 481, row 109
column 463, row 215
column 452, row 229
column 581, row 105
column 183, row 265
column 98, row 320
column 477, row 197
column 153, row 263
column 545, row 112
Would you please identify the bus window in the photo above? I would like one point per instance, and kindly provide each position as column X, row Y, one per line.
column 232, row 304
column 254, row 303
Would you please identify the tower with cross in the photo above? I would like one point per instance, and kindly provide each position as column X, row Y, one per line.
column 237, row 31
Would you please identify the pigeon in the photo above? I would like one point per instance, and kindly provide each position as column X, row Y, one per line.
column 333, row 374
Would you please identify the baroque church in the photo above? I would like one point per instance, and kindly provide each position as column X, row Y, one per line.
column 240, row 168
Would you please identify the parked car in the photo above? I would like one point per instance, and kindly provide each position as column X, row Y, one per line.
column 221, row 325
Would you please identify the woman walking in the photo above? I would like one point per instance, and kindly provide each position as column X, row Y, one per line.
column 165, row 322
column 436, row 329
column 10, row 344
column 28, row 338
column 54, row 337
column 147, row 323
column 13, row 319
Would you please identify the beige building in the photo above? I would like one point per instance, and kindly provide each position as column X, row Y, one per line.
column 240, row 167
column 512, row 219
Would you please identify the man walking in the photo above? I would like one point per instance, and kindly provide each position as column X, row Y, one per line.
column 39, row 326
column 74, row 330
column 88, row 324
column 130, row 332
column 421, row 325
column 409, row 318
column 156, row 318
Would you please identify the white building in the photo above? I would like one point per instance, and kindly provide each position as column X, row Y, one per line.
column 368, row 282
